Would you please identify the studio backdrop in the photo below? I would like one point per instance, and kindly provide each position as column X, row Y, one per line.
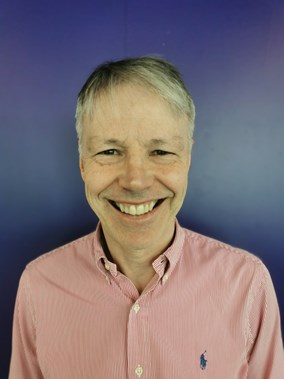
column 232, row 58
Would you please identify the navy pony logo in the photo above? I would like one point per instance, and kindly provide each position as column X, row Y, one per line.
column 203, row 361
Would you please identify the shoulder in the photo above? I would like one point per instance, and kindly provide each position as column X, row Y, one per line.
column 66, row 258
column 59, row 275
column 223, row 259
column 215, row 249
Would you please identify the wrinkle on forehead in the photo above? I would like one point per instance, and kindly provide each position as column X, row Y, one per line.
column 152, row 143
column 111, row 99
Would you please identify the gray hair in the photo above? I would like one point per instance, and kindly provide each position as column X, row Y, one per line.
column 151, row 72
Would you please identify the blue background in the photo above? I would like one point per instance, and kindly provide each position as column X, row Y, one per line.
column 232, row 58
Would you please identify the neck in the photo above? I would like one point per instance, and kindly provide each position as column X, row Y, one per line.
column 134, row 262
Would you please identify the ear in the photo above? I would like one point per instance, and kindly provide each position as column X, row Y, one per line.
column 189, row 155
column 188, row 162
column 82, row 168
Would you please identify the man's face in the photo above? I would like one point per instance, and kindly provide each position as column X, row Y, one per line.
column 135, row 161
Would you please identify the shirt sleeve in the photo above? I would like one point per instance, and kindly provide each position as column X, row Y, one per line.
column 266, row 358
column 24, row 363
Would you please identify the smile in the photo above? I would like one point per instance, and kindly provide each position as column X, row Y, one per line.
column 136, row 209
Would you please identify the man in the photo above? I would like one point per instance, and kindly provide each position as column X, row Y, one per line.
column 142, row 297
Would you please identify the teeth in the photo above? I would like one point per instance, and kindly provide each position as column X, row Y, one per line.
column 136, row 210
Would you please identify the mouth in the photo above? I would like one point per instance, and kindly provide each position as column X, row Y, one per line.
column 136, row 209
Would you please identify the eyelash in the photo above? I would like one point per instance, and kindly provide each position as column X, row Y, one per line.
column 157, row 152
column 108, row 152
column 161, row 152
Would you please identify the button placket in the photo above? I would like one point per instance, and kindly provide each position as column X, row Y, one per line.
column 137, row 338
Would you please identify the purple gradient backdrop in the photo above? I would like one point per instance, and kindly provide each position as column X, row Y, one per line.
column 232, row 58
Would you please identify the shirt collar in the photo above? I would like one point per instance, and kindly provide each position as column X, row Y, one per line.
column 167, row 261
column 164, row 263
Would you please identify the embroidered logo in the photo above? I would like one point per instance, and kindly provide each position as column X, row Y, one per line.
column 203, row 361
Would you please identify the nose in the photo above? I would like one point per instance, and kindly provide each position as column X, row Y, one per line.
column 137, row 173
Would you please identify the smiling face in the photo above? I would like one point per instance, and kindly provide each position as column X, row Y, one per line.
column 135, row 161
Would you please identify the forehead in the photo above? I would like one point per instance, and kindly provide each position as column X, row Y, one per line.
column 131, row 99
column 133, row 107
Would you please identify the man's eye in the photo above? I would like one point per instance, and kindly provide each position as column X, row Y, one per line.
column 161, row 152
column 109, row 152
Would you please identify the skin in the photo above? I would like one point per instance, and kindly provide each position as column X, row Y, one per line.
column 135, row 150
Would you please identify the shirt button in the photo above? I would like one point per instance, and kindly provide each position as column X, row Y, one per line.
column 165, row 278
column 107, row 266
column 139, row 371
column 136, row 308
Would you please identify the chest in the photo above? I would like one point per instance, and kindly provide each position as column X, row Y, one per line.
column 185, row 334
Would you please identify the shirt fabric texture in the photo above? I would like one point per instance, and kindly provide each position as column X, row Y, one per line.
column 210, row 311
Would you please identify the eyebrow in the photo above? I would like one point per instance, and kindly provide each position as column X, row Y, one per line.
column 161, row 141
column 177, row 140
column 110, row 141
column 153, row 142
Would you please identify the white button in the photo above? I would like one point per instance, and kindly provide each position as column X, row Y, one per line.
column 165, row 278
column 107, row 266
column 136, row 308
column 139, row 371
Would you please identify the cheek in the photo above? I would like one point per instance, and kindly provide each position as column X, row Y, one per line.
column 181, row 186
column 175, row 180
column 97, row 180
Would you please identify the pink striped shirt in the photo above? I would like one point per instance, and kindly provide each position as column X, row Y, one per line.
column 210, row 311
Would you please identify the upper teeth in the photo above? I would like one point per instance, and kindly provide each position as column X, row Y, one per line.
column 136, row 210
